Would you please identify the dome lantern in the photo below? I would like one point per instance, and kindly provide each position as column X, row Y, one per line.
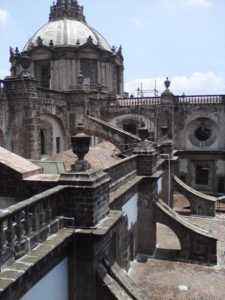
column 66, row 9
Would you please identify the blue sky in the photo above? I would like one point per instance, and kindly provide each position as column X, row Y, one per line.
column 182, row 39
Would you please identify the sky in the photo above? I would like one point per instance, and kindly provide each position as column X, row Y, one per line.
column 180, row 39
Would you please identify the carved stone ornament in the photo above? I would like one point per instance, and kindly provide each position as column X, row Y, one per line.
column 39, row 41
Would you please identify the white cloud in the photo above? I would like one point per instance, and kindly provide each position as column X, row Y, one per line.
column 4, row 73
column 137, row 22
column 3, row 16
column 203, row 3
column 198, row 83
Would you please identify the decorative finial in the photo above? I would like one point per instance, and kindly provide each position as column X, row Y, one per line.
column 78, row 42
column 51, row 43
column 80, row 147
column 25, row 61
column 80, row 79
column 167, row 83
column 11, row 51
column 90, row 40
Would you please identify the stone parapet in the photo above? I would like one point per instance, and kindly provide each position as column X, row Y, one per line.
column 88, row 198
column 146, row 159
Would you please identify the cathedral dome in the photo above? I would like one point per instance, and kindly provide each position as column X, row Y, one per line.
column 66, row 27
column 67, row 32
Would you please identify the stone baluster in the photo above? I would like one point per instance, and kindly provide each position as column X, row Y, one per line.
column 2, row 235
column 54, row 208
column 48, row 211
column 35, row 218
column 27, row 222
column 10, row 232
column 41, row 214
column 18, row 226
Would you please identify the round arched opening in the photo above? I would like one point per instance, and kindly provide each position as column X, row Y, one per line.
column 167, row 243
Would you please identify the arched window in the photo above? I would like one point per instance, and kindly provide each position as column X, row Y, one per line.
column 43, row 146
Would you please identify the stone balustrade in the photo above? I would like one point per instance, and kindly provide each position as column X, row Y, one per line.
column 122, row 172
column 20, row 223
column 181, row 100
column 140, row 101
column 48, row 95
column 199, row 99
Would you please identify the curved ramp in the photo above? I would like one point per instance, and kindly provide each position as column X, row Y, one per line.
column 197, row 244
column 117, row 284
column 201, row 204
column 117, row 136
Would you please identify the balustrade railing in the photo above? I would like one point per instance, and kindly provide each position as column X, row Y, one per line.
column 125, row 168
column 201, row 99
column 48, row 95
column 129, row 102
column 28, row 216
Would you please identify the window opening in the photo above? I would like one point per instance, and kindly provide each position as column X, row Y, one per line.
column 42, row 137
column 58, row 146
column 132, row 128
column 202, row 174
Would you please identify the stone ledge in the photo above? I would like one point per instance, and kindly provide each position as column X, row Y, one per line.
column 9, row 275
column 115, row 195
column 104, row 225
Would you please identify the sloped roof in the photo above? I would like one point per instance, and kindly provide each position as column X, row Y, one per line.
column 99, row 156
column 18, row 163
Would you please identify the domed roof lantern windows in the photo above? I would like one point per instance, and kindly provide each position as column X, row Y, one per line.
column 66, row 9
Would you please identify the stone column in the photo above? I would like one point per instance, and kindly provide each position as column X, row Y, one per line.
column 99, row 81
column 24, row 115
column 165, row 126
column 147, row 194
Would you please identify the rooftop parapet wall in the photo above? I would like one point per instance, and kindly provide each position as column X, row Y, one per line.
column 201, row 99
column 25, row 224
column 153, row 101
column 122, row 172
column 139, row 101
column 47, row 95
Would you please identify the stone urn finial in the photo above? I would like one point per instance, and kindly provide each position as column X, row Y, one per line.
column 167, row 83
column 25, row 61
column 80, row 147
column 80, row 80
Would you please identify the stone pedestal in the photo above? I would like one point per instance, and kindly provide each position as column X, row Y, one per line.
column 87, row 196
column 146, row 160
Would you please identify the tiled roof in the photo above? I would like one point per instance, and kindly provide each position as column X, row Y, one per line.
column 99, row 156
